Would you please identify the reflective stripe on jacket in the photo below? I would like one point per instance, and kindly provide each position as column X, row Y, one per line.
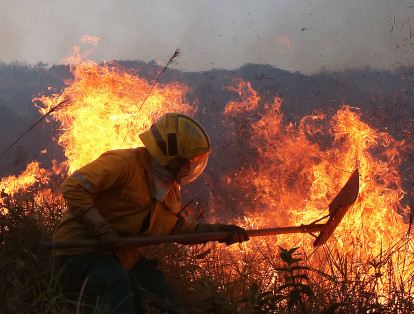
column 119, row 184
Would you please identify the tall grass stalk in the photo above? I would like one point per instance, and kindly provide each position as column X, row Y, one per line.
column 211, row 278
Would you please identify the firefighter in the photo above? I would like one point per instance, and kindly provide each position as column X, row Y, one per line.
column 131, row 192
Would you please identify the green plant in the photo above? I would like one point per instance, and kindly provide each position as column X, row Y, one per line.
column 293, row 290
column 290, row 294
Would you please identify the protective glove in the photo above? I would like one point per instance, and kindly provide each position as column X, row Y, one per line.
column 110, row 241
column 238, row 234
column 108, row 238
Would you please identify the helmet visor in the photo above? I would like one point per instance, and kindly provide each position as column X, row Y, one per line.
column 193, row 169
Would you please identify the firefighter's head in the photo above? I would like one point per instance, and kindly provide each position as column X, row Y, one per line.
column 179, row 143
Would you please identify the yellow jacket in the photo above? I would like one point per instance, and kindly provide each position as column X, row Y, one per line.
column 119, row 184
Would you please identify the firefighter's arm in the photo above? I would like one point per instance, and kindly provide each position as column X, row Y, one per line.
column 80, row 188
column 101, row 229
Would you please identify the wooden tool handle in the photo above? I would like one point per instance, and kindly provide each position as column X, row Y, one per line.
column 191, row 238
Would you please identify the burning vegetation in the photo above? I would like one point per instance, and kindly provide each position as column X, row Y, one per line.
column 281, row 174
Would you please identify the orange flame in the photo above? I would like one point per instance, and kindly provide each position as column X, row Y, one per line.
column 90, row 39
column 104, row 112
column 12, row 184
column 76, row 57
column 33, row 173
column 299, row 169
column 283, row 44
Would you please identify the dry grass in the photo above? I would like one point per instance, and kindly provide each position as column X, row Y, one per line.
column 213, row 278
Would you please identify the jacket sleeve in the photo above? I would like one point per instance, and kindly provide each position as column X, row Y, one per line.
column 184, row 226
column 79, row 188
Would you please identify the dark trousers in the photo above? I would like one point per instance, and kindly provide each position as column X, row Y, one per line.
column 118, row 290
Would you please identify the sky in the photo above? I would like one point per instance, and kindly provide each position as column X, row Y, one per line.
column 294, row 35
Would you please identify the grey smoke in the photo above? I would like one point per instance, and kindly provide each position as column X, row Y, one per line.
column 333, row 35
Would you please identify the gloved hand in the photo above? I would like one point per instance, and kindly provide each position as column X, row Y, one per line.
column 238, row 234
column 110, row 241
column 108, row 238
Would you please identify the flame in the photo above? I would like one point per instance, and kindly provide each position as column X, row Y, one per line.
column 9, row 186
column 33, row 173
column 76, row 57
column 299, row 169
column 100, row 109
column 283, row 44
column 289, row 172
column 104, row 110
column 90, row 39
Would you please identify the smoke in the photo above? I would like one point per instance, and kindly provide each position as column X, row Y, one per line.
column 332, row 35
